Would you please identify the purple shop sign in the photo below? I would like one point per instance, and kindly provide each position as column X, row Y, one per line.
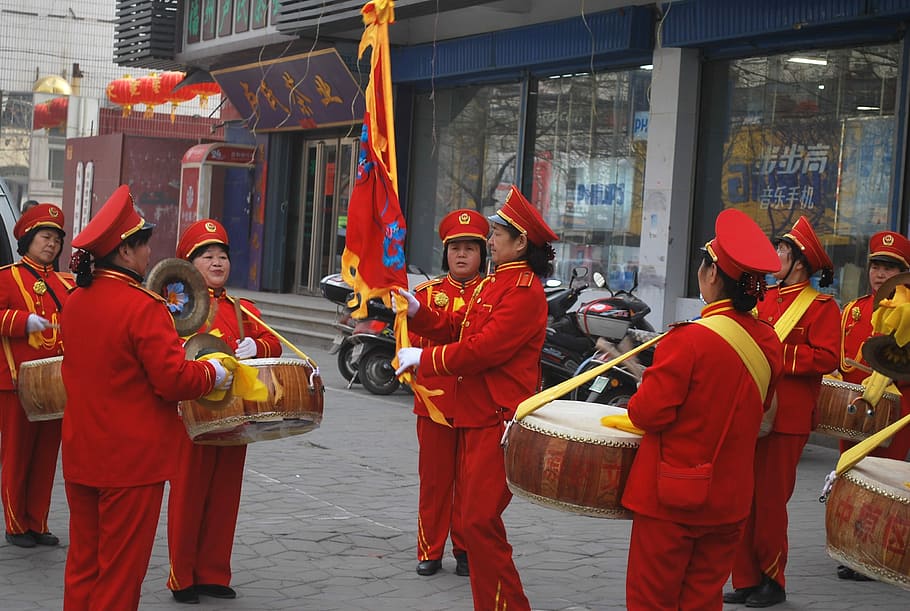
column 308, row 91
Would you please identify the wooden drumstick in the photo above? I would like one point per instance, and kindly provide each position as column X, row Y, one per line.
column 857, row 365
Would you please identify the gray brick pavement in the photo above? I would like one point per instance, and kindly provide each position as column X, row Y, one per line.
column 327, row 523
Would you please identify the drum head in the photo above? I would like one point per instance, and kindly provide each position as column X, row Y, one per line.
column 578, row 420
column 184, row 290
column 200, row 345
column 875, row 472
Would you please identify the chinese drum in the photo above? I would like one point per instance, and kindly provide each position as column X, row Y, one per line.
column 562, row 457
column 867, row 520
column 839, row 417
column 41, row 391
column 293, row 407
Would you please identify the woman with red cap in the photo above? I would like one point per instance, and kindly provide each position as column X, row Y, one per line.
column 889, row 255
column 464, row 234
column 807, row 323
column 124, row 371
column 32, row 295
column 492, row 351
column 205, row 493
column 700, row 403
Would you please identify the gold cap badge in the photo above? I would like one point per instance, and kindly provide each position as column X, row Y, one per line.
column 888, row 239
column 464, row 218
column 210, row 227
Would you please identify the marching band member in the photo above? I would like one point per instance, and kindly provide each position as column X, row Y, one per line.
column 124, row 371
column 807, row 323
column 32, row 295
column 493, row 352
column 889, row 255
column 683, row 543
column 205, row 493
column 464, row 234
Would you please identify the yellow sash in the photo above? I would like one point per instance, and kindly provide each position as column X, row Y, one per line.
column 792, row 314
column 752, row 356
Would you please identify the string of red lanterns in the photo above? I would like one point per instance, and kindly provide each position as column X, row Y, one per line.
column 51, row 114
column 156, row 89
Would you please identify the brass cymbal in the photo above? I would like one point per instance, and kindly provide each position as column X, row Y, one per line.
column 200, row 345
column 886, row 357
column 887, row 289
column 184, row 289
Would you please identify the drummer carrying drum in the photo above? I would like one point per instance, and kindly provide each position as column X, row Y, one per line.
column 32, row 295
column 124, row 371
column 701, row 403
column 806, row 321
column 889, row 255
column 205, row 493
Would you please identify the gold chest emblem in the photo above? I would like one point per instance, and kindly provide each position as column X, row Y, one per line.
column 855, row 313
column 39, row 287
column 441, row 300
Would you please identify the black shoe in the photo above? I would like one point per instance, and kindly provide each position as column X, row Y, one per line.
column 461, row 565
column 738, row 596
column 767, row 594
column 187, row 596
column 428, row 567
column 216, row 591
column 20, row 540
column 845, row 572
column 44, row 538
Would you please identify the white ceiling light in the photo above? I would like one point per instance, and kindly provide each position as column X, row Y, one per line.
column 868, row 108
column 808, row 60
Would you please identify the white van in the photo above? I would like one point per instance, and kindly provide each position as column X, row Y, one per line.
column 9, row 214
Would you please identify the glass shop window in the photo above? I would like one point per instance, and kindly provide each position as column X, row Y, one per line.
column 810, row 132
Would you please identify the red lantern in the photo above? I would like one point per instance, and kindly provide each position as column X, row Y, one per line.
column 204, row 91
column 40, row 117
column 124, row 92
column 58, row 110
column 169, row 80
column 151, row 93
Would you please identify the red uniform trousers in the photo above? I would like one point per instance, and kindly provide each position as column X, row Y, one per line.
column 28, row 453
column 440, row 492
column 764, row 545
column 112, row 531
column 495, row 583
column 202, row 513
column 679, row 566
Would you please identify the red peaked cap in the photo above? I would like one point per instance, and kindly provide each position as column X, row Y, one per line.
column 201, row 233
column 117, row 220
column 463, row 224
column 42, row 215
column 803, row 237
column 741, row 247
column 520, row 214
column 890, row 247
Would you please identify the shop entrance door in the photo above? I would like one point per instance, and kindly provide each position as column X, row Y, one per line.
column 328, row 178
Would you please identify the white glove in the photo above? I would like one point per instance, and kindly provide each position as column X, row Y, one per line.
column 36, row 323
column 413, row 304
column 223, row 377
column 408, row 358
column 246, row 348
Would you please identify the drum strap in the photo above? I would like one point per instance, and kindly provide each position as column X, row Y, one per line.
column 740, row 340
column 792, row 314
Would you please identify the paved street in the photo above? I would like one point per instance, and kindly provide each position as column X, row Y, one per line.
column 327, row 522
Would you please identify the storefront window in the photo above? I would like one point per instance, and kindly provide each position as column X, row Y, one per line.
column 588, row 173
column 804, row 133
column 463, row 156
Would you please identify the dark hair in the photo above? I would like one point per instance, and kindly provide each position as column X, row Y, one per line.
column 539, row 258
column 483, row 254
column 735, row 290
column 201, row 249
column 25, row 242
column 81, row 263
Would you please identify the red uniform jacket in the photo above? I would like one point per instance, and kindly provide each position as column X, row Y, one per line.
column 682, row 405
column 494, row 353
column 856, row 328
column 18, row 299
column 124, row 372
column 810, row 351
column 443, row 295
column 223, row 319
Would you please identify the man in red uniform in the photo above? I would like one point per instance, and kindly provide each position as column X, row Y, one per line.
column 463, row 233
column 889, row 255
column 205, row 493
column 679, row 558
column 808, row 324
column 32, row 295
column 493, row 352
column 124, row 371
